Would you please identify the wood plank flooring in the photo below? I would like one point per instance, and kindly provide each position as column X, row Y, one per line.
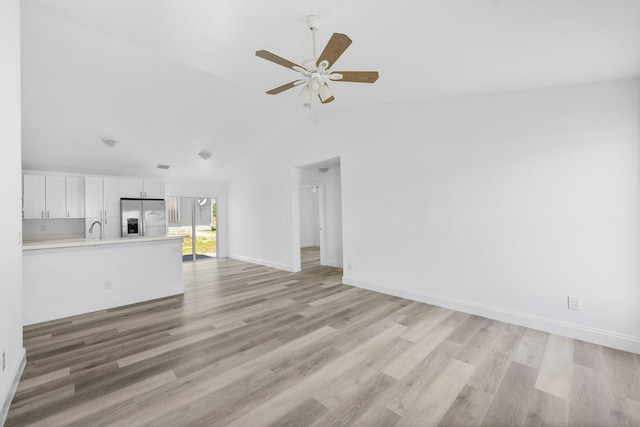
column 252, row 346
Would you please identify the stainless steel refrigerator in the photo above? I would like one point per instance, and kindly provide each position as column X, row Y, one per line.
column 143, row 217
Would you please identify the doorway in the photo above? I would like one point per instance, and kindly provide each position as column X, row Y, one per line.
column 196, row 218
column 312, row 227
column 320, row 214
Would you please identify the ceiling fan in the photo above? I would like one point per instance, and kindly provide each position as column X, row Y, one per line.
column 315, row 71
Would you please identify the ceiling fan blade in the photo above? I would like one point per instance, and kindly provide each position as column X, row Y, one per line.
column 336, row 46
column 285, row 87
column 328, row 100
column 356, row 76
column 265, row 54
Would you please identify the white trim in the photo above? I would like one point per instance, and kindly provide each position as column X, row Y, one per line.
column 5, row 403
column 571, row 330
column 278, row 265
column 334, row 263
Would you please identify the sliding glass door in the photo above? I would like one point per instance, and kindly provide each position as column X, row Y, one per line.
column 197, row 218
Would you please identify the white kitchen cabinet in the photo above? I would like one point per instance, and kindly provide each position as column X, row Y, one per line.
column 153, row 189
column 56, row 197
column 93, row 196
column 34, row 197
column 103, row 205
column 132, row 188
column 53, row 197
column 138, row 188
column 102, row 196
column 112, row 197
column 75, row 197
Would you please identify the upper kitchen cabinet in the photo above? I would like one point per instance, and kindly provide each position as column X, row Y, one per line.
column 53, row 197
column 33, row 197
column 153, row 189
column 103, row 204
column 131, row 188
column 102, row 197
column 56, row 197
column 75, row 197
column 112, row 197
column 93, row 196
column 137, row 188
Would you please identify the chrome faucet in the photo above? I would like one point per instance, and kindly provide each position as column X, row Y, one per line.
column 92, row 225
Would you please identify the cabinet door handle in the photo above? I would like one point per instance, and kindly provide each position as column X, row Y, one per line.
column 42, row 214
column 105, row 219
column 105, row 214
column 47, row 214
column 68, row 214
column 100, row 213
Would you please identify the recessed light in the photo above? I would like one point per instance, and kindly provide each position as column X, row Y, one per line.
column 111, row 142
column 163, row 167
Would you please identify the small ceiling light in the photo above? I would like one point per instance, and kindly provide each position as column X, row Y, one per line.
column 305, row 93
column 315, row 82
column 111, row 142
column 163, row 167
column 323, row 170
column 205, row 154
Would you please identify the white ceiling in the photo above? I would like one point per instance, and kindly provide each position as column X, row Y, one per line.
column 172, row 77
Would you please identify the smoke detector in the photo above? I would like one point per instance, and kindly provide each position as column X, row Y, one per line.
column 205, row 154
column 111, row 142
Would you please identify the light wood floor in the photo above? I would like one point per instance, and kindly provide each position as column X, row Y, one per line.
column 253, row 346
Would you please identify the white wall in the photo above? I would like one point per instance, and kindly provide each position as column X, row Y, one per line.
column 10, row 194
column 500, row 205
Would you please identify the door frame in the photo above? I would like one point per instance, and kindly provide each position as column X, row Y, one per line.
column 193, row 223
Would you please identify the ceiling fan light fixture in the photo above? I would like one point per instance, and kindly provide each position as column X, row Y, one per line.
column 325, row 92
column 315, row 82
column 305, row 93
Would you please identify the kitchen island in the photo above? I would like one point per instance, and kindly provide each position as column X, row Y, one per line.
column 75, row 276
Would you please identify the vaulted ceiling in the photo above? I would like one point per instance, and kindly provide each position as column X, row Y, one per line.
column 170, row 78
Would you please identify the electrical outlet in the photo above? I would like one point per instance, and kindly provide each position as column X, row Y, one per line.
column 349, row 265
column 574, row 303
column 108, row 284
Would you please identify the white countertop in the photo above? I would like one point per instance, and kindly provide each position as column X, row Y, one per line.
column 72, row 243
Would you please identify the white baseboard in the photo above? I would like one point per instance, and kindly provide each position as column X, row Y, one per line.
column 279, row 266
column 5, row 403
column 334, row 263
column 571, row 330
